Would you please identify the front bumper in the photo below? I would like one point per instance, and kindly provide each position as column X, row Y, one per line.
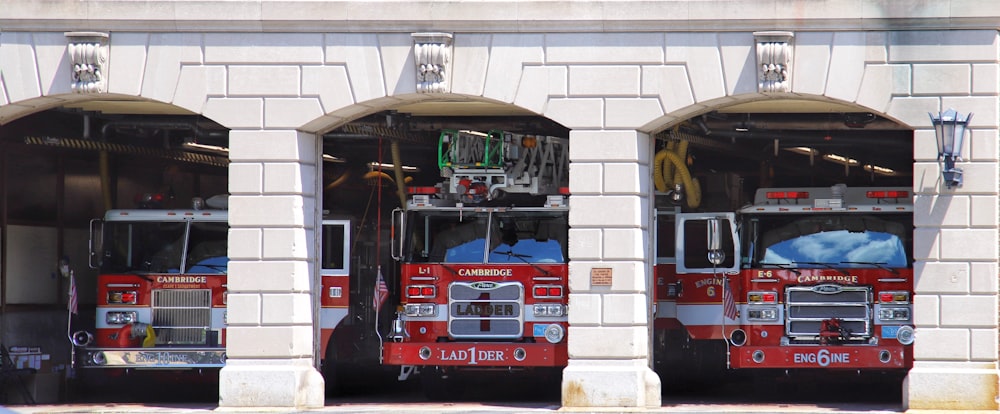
column 823, row 357
column 164, row 358
column 476, row 354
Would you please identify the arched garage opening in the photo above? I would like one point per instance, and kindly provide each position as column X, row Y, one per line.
column 811, row 206
column 460, row 207
column 65, row 166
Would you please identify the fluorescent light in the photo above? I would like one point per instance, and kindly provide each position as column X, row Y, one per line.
column 879, row 170
column 216, row 148
column 840, row 159
column 803, row 150
column 377, row 166
column 330, row 158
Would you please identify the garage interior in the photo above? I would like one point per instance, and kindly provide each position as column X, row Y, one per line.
column 57, row 163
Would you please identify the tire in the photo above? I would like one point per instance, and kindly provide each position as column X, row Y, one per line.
column 330, row 371
column 437, row 385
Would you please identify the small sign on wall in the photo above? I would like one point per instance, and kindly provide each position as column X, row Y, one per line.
column 600, row 276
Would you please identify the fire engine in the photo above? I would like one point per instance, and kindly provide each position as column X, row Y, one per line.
column 800, row 280
column 483, row 262
column 161, row 289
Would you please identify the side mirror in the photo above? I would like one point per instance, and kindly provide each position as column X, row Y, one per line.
column 715, row 253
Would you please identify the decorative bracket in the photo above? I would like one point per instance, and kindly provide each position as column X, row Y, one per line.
column 89, row 53
column 774, row 61
column 432, row 58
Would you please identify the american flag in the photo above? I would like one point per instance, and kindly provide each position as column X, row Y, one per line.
column 73, row 304
column 381, row 291
column 728, row 303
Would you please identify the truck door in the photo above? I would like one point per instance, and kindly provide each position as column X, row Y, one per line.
column 707, row 243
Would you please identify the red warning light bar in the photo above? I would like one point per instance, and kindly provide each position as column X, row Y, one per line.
column 888, row 194
column 780, row 195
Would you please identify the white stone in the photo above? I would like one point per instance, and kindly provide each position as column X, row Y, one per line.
column 941, row 211
column 926, row 310
column 508, row 54
column 126, row 59
column 576, row 113
column 626, row 178
column 359, row 52
column 631, row 113
column 700, row 54
column 615, row 384
column 670, row 84
column 168, row 53
column 586, row 178
column 624, row 244
column 880, row 83
column 236, row 112
column 263, row 48
column 982, row 144
column 288, row 178
column 264, row 211
column 538, row 84
column 53, row 65
column 290, row 112
column 287, row 145
column 196, row 83
column 985, row 78
column 286, row 244
column 17, row 63
column 951, row 387
column 934, row 344
column 286, row 309
column 604, row 80
column 268, row 276
column 604, row 48
column 608, row 146
column 984, row 278
column 585, row 244
column 971, row 244
column 983, row 344
column 246, row 178
column 256, row 80
column 942, row 79
column 268, row 341
column 330, row 83
column 608, row 211
column 245, row 244
column 926, row 244
column 738, row 56
column 983, row 211
column 586, row 342
column 397, row 63
column 470, row 60
column 976, row 311
column 625, row 309
column 258, row 386
column 847, row 66
column 940, row 46
column 584, row 309
column 811, row 65
column 243, row 309
column 941, row 277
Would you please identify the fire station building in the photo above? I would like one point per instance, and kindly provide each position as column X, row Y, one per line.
column 280, row 74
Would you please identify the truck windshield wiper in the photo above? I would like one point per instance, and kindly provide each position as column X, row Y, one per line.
column 785, row 266
column 828, row 266
column 880, row 265
column 510, row 253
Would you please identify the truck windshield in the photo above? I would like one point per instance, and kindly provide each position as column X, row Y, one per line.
column 513, row 237
column 834, row 240
column 159, row 247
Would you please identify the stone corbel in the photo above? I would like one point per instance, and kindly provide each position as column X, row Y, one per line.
column 432, row 58
column 88, row 52
column 774, row 61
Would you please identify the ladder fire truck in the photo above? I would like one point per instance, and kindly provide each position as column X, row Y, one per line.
column 801, row 280
column 483, row 262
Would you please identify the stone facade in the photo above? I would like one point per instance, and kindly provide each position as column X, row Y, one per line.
column 278, row 73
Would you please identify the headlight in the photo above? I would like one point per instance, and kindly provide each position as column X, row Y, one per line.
column 894, row 314
column 549, row 309
column 120, row 318
column 762, row 314
column 420, row 309
column 554, row 333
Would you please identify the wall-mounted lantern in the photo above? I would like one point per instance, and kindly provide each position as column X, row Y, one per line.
column 949, row 128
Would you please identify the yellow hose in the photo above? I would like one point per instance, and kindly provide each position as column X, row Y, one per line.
column 670, row 167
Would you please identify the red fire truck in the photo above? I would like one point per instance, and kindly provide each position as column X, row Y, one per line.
column 800, row 279
column 161, row 289
column 483, row 262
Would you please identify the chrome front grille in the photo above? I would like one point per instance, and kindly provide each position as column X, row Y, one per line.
column 182, row 316
column 485, row 310
column 806, row 307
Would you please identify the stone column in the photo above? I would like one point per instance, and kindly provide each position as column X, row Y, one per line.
column 955, row 273
column 272, row 217
column 609, row 311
